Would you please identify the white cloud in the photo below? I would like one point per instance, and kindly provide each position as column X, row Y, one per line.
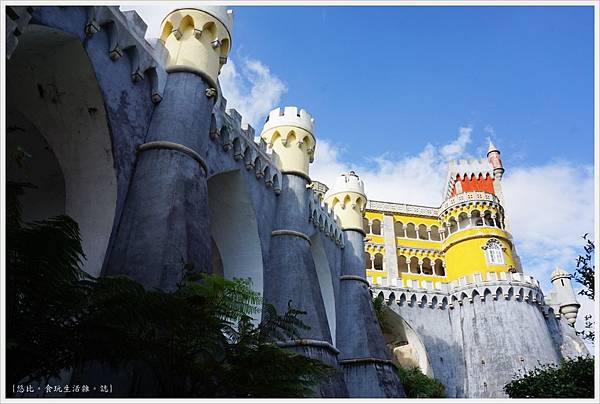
column 457, row 148
column 549, row 208
column 417, row 179
column 251, row 89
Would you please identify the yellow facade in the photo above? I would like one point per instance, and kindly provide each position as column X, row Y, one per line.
column 460, row 241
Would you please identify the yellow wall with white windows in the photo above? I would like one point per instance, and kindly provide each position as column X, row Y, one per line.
column 457, row 251
column 465, row 254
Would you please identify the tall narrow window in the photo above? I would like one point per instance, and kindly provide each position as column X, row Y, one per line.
column 494, row 252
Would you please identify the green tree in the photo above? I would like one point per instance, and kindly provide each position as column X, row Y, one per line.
column 573, row 378
column 585, row 273
column 199, row 341
column 418, row 385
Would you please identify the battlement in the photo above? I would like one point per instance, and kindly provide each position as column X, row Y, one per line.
column 465, row 169
column 323, row 218
column 125, row 32
column 221, row 13
column 516, row 287
column 469, row 198
column 290, row 116
column 404, row 208
column 349, row 182
column 228, row 131
column 469, row 166
column 467, row 281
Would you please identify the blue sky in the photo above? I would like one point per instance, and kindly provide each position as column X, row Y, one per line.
column 415, row 74
column 397, row 91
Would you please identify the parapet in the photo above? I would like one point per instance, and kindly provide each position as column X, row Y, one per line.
column 221, row 13
column 290, row 116
column 348, row 182
column 198, row 40
column 125, row 32
column 227, row 131
column 442, row 295
column 324, row 219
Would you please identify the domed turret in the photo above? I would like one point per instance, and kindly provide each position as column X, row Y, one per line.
column 289, row 132
column 198, row 40
column 348, row 200
column 564, row 294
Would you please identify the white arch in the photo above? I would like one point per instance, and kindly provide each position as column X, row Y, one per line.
column 234, row 228
column 325, row 281
column 62, row 100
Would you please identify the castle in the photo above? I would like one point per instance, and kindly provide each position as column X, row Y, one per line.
column 133, row 139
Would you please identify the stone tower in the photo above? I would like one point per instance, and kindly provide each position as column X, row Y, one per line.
column 289, row 135
column 166, row 219
column 368, row 369
column 564, row 296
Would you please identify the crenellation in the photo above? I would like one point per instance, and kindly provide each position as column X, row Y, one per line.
column 146, row 62
column 324, row 219
column 239, row 138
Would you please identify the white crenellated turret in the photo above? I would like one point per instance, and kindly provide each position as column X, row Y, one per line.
column 564, row 295
column 347, row 199
column 198, row 40
column 289, row 132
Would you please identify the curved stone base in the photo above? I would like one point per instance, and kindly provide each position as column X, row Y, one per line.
column 372, row 380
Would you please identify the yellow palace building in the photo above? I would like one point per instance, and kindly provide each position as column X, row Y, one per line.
column 464, row 240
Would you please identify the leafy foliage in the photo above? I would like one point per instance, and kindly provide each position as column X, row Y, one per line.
column 584, row 274
column 418, row 385
column 379, row 307
column 573, row 378
column 199, row 341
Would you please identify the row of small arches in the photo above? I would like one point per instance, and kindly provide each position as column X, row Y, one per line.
column 465, row 220
column 435, row 301
column 474, row 218
column 411, row 265
column 251, row 157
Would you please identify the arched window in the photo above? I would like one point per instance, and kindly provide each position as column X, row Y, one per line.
column 477, row 219
column 463, row 221
column 439, row 268
column 487, row 218
column 376, row 227
column 435, row 233
column 399, row 229
column 414, row 265
column 453, row 225
column 499, row 220
column 368, row 263
column 494, row 252
column 378, row 262
column 411, row 232
column 423, row 232
column 427, row 269
column 366, row 225
column 402, row 264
